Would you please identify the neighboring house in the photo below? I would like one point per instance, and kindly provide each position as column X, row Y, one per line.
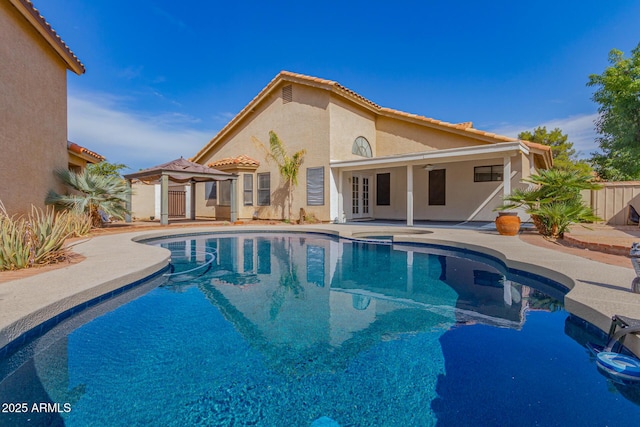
column 80, row 157
column 363, row 161
column 33, row 105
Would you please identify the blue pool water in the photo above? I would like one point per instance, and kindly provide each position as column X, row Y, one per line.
column 301, row 330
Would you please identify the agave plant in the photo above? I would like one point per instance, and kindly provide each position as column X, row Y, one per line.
column 553, row 200
column 78, row 224
column 32, row 240
column 94, row 193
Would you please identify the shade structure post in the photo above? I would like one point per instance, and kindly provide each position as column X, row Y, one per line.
column 234, row 200
column 192, row 201
column 127, row 216
column 164, row 199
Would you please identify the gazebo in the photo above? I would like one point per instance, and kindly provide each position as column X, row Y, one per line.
column 182, row 171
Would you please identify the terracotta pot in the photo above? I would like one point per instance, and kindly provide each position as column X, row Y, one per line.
column 508, row 223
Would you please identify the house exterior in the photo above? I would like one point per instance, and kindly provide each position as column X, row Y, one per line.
column 33, row 106
column 80, row 157
column 362, row 161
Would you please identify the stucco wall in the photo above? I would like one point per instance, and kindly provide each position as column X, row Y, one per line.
column 33, row 114
column 399, row 137
column 463, row 196
column 302, row 123
column 142, row 201
column 347, row 123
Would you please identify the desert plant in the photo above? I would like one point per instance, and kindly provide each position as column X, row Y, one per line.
column 78, row 224
column 15, row 251
column 288, row 166
column 94, row 193
column 553, row 200
column 35, row 239
column 555, row 218
column 48, row 233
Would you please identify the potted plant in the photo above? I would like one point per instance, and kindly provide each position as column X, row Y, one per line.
column 508, row 223
column 553, row 201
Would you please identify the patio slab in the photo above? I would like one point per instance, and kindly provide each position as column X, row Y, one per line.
column 598, row 290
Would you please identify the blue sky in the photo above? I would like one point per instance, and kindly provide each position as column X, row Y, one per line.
column 164, row 76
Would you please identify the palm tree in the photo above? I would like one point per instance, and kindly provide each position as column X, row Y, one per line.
column 553, row 200
column 289, row 166
column 93, row 194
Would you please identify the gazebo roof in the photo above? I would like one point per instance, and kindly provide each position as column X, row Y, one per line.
column 181, row 170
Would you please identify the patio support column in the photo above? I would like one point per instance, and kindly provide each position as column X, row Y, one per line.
column 234, row 201
column 506, row 176
column 127, row 216
column 164, row 199
column 341, row 216
column 410, row 195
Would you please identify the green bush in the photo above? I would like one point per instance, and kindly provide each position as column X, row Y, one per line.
column 553, row 200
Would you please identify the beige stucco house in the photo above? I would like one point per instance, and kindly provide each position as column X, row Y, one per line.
column 80, row 157
column 33, row 105
column 362, row 161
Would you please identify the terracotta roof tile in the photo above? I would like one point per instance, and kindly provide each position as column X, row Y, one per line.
column 241, row 160
column 536, row 145
column 72, row 146
column 287, row 76
column 28, row 10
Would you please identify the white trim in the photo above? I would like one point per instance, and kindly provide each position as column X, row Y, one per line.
column 187, row 202
column 451, row 154
column 506, row 176
column 157, row 197
column 409, row 195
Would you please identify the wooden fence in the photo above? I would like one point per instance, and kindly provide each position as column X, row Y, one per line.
column 611, row 203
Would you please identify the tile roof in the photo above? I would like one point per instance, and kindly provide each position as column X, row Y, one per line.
column 78, row 149
column 465, row 128
column 33, row 16
column 241, row 161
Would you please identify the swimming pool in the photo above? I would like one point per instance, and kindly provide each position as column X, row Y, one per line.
column 297, row 329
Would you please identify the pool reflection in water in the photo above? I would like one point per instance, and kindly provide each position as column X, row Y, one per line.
column 284, row 330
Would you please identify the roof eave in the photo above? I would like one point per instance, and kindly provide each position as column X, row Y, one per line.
column 283, row 76
column 32, row 15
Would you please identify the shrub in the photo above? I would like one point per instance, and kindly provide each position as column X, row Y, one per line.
column 36, row 239
column 93, row 193
column 78, row 224
column 553, row 200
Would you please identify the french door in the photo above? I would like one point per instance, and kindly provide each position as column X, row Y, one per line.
column 360, row 201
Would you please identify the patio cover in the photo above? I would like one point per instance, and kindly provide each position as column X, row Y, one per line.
column 182, row 171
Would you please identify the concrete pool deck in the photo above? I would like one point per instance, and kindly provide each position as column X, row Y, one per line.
column 598, row 290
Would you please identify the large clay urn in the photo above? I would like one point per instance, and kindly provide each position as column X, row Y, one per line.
column 508, row 223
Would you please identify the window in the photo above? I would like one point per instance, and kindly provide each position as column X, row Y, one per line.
column 247, row 248
column 315, row 265
column 264, row 189
column 488, row 173
column 383, row 189
column 315, row 186
column 225, row 193
column 437, row 187
column 211, row 190
column 264, row 255
column 361, row 147
column 248, row 189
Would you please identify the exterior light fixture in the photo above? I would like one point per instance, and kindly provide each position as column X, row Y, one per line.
column 428, row 167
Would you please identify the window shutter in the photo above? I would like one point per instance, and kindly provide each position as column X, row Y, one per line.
column 315, row 186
